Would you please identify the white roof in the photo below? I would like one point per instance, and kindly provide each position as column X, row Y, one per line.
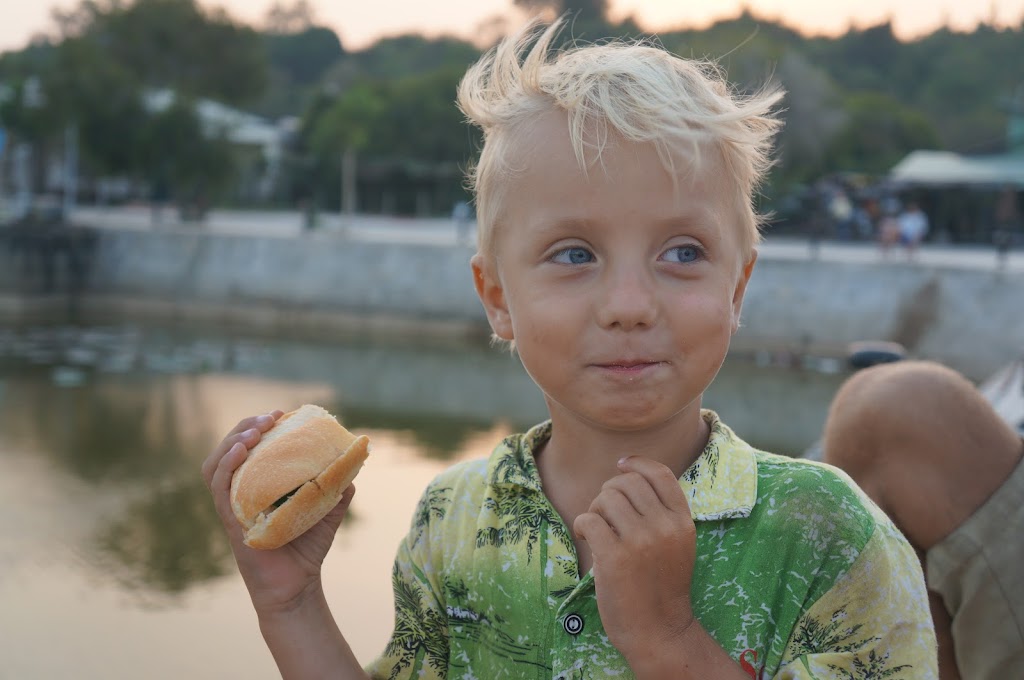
column 239, row 126
column 944, row 168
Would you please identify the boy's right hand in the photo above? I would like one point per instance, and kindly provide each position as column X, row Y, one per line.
column 277, row 579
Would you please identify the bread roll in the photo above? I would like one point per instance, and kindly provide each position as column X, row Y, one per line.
column 295, row 476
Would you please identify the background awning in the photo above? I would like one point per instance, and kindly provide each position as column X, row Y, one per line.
column 943, row 168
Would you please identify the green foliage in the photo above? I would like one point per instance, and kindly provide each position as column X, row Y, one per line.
column 176, row 44
column 305, row 56
column 110, row 61
column 856, row 102
column 354, row 121
column 408, row 132
column 957, row 80
column 178, row 154
column 408, row 55
column 878, row 133
column 101, row 96
column 588, row 12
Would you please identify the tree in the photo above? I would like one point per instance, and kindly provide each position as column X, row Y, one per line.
column 349, row 126
column 306, row 55
column 814, row 116
column 102, row 97
column 878, row 133
column 291, row 19
column 112, row 58
column 179, row 154
column 588, row 11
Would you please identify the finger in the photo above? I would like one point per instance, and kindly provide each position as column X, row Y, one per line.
column 617, row 511
column 246, row 431
column 220, row 482
column 261, row 422
column 593, row 529
column 247, row 438
column 638, row 490
column 661, row 479
column 220, row 489
column 339, row 511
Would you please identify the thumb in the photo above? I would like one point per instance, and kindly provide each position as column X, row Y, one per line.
column 339, row 511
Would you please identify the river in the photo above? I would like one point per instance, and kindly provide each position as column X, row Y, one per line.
column 112, row 561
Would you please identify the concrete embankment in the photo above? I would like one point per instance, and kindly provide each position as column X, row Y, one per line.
column 970, row 318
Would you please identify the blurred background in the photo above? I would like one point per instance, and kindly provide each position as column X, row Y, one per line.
column 210, row 210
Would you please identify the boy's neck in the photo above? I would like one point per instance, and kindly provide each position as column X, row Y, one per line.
column 582, row 456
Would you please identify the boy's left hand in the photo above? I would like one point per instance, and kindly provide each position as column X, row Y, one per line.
column 644, row 546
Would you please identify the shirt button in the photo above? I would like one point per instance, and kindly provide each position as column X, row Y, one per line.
column 573, row 624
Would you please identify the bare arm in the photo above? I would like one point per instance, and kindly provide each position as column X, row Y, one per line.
column 284, row 584
column 306, row 642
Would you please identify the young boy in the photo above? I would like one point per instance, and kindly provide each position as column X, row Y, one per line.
column 633, row 534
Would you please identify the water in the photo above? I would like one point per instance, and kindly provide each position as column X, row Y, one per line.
column 112, row 561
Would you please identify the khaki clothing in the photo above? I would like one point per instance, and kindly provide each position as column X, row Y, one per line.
column 979, row 572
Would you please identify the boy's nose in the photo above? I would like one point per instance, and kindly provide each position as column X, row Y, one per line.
column 628, row 300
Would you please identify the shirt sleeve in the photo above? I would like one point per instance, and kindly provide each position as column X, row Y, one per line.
column 418, row 648
column 873, row 623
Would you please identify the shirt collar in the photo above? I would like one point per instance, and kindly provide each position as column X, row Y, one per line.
column 721, row 483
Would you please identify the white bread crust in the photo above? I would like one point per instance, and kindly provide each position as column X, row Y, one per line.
column 307, row 450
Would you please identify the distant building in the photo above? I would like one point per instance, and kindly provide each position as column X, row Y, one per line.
column 244, row 129
column 947, row 169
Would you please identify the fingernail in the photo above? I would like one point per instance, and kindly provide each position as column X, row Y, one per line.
column 622, row 461
column 250, row 433
column 264, row 419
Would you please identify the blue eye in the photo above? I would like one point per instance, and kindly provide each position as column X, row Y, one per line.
column 684, row 254
column 575, row 255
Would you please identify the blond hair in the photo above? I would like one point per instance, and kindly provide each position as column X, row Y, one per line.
column 640, row 91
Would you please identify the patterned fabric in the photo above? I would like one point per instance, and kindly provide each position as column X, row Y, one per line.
column 798, row 575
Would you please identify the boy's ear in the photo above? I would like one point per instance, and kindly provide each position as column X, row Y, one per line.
column 741, row 289
column 492, row 296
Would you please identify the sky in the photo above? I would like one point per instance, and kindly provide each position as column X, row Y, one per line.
column 360, row 22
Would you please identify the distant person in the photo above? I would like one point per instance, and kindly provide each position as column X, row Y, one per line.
column 924, row 443
column 841, row 213
column 913, row 227
column 462, row 214
column 865, row 219
column 632, row 534
column 1007, row 223
column 888, row 230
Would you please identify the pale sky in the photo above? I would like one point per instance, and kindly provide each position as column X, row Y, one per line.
column 359, row 22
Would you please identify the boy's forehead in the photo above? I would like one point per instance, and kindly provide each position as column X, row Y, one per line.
column 551, row 138
column 547, row 151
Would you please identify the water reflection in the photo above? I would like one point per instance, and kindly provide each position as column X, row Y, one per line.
column 130, row 413
column 101, row 430
column 165, row 542
column 439, row 437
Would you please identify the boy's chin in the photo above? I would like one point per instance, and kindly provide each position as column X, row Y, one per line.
column 621, row 421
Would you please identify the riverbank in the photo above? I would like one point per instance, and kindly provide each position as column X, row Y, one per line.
column 952, row 305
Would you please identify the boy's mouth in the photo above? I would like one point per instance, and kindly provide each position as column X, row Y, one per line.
column 628, row 366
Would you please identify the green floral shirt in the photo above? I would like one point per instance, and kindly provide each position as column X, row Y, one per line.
column 798, row 575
